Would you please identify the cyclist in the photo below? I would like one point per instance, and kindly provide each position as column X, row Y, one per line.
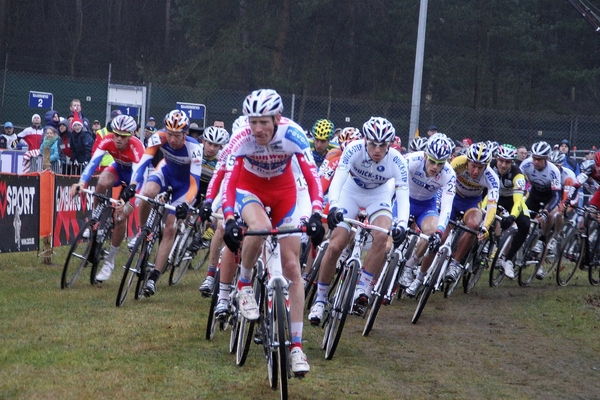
column 126, row 150
column 567, row 180
column 320, row 144
column 180, row 169
column 418, row 144
column 259, row 174
column 429, row 171
column 213, row 140
column 361, row 180
column 512, row 189
column 589, row 178
column 473, row 175
column 545, row 189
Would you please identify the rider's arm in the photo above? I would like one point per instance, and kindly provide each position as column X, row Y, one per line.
column 154, row 144
column 234, row 167
column 94, row 161
column 448, row 193
column 309, row 170
column 555, row 186
column 518, row 192
column 195, row 152
column 492, row 196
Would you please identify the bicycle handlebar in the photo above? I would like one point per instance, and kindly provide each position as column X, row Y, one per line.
column 368, row 226
column 155, row 202
column 463, row 227
column 273, row 232
column 99, row 195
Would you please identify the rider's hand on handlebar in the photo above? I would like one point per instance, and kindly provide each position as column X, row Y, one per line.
column 334, row 217
column 398, row 235
column 128, row 192
column 507, row 222
column 206, row 211
column 232, row 235
column 435, row 240
column 315, row 229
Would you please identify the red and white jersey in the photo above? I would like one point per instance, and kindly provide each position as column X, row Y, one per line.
column 132, row 154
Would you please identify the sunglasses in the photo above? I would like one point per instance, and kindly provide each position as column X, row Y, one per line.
column 372, row 143
column 436, row 162
column 121, row 134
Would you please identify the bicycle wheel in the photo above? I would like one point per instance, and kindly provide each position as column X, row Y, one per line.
column 211, row 323
column 181, row 257
column 593, row 268
column 439, row 261
column 530, row 263
column 281, row 336
column 340, row 309
column 496, row 270
column 312, row 277
column 387, row 286
column 145, row 268
column 450, row 286
column 202, row 257
column 136, row 261
column 103, row 241
column 568, row 258
column 246, row 328
column 81, row 255
column 485, row 251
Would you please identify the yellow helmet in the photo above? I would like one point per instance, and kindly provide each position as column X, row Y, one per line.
column 323, row 129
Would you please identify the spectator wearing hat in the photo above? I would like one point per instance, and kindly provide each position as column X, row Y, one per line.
column 151, row 123
column 565, row 148
column 32, row 136
column 82, row 141
column 432, row 130
column 195, row 131
column 96, row 126
column 65, row 136
column 52, row 119
column 8, row 140
column 466, row 142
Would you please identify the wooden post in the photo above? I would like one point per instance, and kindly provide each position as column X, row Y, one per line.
column 47, row 239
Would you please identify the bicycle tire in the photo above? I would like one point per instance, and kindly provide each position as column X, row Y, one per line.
column 567, row 264
column 246, row 328
column 136, row 259
column 81, row 253
column 450, row 286
column 480, row 263
column 593, row 270
column 341, row 308
column 530, row 264
column 211, row 322
column 429, row 286
column 496, row 271
column 103, row 237
column 179, row 267
column 281, row 335
column 311, row 279
column 387, row 286
column 202, row 256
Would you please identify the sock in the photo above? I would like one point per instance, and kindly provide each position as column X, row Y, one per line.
column 413, row 261
column 224, row 290
column 245, row 278
column 110, row 258
column 296, row 335
column 322, row 289
column 421, row 276
column 154, row 275
column 365, row 279
column 212, row 270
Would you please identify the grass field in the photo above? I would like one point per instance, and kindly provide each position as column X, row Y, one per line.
column 541, row 342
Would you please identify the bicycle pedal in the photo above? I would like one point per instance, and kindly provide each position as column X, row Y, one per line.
column 258, row 339
column 299, row 375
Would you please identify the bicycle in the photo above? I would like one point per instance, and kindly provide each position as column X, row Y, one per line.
column 141, row 260
column 530, row 262
column 579, row 250
column 274, row 329
column 89, row 251
column 434, row 279
column 340, row 304
column 387, row 284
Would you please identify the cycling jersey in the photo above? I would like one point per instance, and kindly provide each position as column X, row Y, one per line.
column 123, row 160
column 356, row 170
column 266, row 171
column 319, row 158
column 469, row 188
column 589, row 176
column 545, row 184
column 182, row 167
column 327, row 169
column 422, row 188
column 512, row 189
column 209, row 166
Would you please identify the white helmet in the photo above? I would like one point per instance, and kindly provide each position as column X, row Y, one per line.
column 216, row 135
column 262, row 103
column 379, row 129
column 239, row 121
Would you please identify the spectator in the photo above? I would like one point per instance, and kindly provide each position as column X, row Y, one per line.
column 76, row 107
column 432, row 130
column 521, row 154
column 219, row 123
column 151, row 123
column 148, row 131
column 466, row 143
column 65, row 137
column 195, row 131
column 52, row 142
column 81, row 147
column 570, row 163
column 590, row 154
column 96, row 126
column 8, row 140
column 52, row 119
column 32, row 136
column 458, row 148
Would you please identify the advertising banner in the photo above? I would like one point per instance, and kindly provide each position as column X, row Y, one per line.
column 19, row 213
